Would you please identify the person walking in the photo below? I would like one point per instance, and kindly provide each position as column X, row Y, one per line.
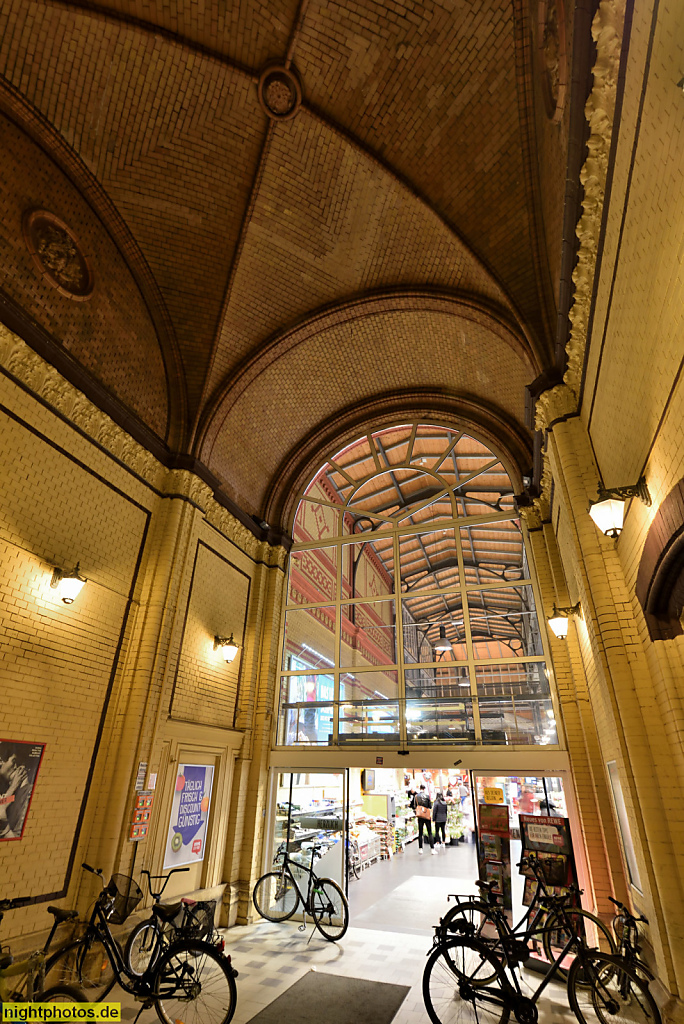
column 439, row 816
column 423, row 813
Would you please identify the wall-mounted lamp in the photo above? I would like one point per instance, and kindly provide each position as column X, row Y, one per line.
column 608, row 512
column 68, row 583
column 443, row 643
column 558, row 622
column 228, row 647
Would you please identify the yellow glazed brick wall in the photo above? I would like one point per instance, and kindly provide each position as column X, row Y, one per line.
column 84, row 490
column 205, row 687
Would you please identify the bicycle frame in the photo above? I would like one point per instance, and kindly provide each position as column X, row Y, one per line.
column 31, row 967
column 98, row 927
column 532, row 930
column 313, row 878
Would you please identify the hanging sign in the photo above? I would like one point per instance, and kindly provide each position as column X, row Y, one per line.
column 186, row 838
column 493, row 795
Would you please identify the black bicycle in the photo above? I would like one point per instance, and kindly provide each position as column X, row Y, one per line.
column 277, row 895
column 185, row 980
column 186, row 918
column 467, row 978
column 544, row 924
column 626, row 931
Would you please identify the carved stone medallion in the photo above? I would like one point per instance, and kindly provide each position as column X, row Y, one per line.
column 57, row 254
column 280, row 93
column 553, row 56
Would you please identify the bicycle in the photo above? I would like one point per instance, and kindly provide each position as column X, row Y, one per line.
column 24, row 980
column 277, row 895
column 353, row 860
column 483, row 918
column 186, row 971
column 196, row 921
column 626, row 931
column 466, row 977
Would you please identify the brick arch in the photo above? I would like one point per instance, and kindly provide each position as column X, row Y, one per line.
column 51, row 147
column 473, row 308
column 660, row 580
column 485, row 422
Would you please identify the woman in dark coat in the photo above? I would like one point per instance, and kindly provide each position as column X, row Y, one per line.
column 439, row 816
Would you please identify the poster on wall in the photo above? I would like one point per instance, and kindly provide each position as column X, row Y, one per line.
column 186, row 838
column 19, row 764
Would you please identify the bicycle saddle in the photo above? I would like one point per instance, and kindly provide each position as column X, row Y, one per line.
column 489, row 886
column 62, row 915
column 6, row 960
column 167, row 911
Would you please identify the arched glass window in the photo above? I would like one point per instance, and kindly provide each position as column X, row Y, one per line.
column 410, row 615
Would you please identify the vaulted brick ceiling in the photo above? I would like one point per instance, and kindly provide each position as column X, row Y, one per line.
column 392, row 235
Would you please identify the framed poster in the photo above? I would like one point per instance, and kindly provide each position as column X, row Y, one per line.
column 20, row 761
column 186, row 838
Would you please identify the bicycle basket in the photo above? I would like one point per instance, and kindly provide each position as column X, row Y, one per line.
column 126, row 895
column 199, row 920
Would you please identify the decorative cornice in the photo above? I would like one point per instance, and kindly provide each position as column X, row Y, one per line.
column 553, row 405
column 539, row 511
column 599, row 110
column 44, row 381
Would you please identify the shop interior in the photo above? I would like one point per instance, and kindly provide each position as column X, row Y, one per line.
column 360, row 829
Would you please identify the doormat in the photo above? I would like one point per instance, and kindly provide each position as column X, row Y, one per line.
column 336, row 1000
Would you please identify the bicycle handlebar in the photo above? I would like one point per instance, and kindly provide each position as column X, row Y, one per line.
column 18, row 901
column 93, row 871
column 151, row 878
column 626, row 911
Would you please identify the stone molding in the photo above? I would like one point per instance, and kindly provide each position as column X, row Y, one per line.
column 44, row 381
column 607, row 28
column 563, row 399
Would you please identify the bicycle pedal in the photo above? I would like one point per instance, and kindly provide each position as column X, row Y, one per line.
column 302, row 928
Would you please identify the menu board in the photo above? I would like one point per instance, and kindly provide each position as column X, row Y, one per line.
column 549, row 839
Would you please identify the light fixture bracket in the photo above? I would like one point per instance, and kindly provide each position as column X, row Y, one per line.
column 639, row 490
column 223, row 641
column 572, row 609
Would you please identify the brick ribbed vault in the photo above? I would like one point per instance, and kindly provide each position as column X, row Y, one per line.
column 413, row 166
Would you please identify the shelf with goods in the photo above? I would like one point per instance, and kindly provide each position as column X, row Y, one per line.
column 456, row 823
column 369, row 842
column 406, row 827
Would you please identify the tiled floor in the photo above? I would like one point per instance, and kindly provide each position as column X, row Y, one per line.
column 393, row 906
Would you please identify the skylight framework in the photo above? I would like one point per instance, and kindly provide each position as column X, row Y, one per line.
column 411, row 613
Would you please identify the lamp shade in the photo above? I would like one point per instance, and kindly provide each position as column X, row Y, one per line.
column 559, row 626
column 68, row 584
column 609, row 515
column 443, row 643
column 227, row 646
column 229, row 652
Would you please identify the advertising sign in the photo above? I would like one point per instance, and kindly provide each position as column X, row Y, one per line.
column 19, row 764
column 186, row 838
column 494, row 852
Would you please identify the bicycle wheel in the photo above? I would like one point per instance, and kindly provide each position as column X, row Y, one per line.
column 62, row 994
column 471, row 919
column 329, row 909
column 85, row 963
column 609, row 992
column 453, row 988
column 194, row 984
column 275, row 896
column 586, row 925
column 141, row 944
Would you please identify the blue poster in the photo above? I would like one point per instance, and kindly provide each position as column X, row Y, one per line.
column 186, row 838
